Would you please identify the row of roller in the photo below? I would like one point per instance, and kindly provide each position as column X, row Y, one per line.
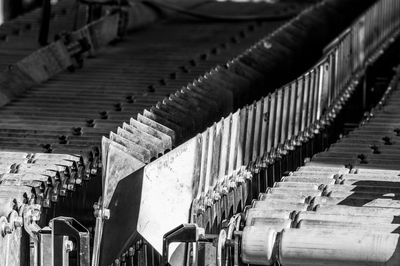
column 340, row 208
column 325, row 216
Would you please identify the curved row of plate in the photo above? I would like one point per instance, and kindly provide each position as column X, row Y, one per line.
column 242, row 80
column 161, row 128
column 61, row 172
column 206, row 169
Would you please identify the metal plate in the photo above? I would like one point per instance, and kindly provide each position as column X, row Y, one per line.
column 168, row 192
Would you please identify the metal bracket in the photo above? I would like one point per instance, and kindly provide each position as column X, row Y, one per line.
column 185, row 233
column 76, row 48
column 69, row 235
column 31, row 214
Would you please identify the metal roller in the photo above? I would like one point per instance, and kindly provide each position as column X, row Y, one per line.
column 337, row 247
column 281, row 204
column 253, row 213
column 258, row 245
column 348, row 225
column 351, row 218
column 294, row 198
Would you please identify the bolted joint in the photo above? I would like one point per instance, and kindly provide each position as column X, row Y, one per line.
column 34, row 212
column 232, row 185
column 200, row 209
column 208, row 202
column 69, row 246
column 18, row 221
column 5, row 227
column 224, row 189
column 101, row 212
column 216, row 196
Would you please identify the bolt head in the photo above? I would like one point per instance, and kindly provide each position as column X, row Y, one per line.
column 7, row 229
column 208, row 202
column 224, row 190
column 106, row 214
column 69, row 245
column 18, row 221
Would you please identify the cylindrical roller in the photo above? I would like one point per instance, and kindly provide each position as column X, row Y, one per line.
column 287, row 191
column 324, row 169
column 280, row 205
column 327, row 174
column 359, row 194
column 360, row 188
column 359, row 202
column 378, row 178
column 335, row 217
column 258, row 244
column 338, row 247
column 361, row 171
column 351, row 210
column 277, row 224
column 342, row 225
column 309, row 179
column 292, row 198
column 260, row 213
column 370, row 182
column 299, row 185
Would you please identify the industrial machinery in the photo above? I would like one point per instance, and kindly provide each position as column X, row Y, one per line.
column 229, row 157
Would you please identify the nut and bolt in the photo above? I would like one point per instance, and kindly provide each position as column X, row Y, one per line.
column 69, row 246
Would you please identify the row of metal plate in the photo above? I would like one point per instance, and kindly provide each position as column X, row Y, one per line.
column 166, row 124
column 33, row 180
column 204, row 169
